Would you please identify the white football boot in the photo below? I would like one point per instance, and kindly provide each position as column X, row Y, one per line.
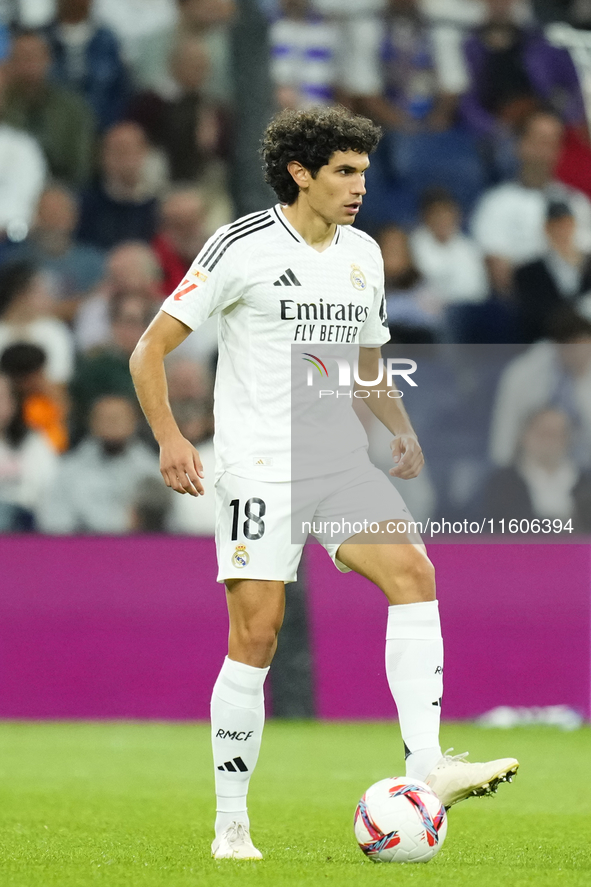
column 235, row 843
column 454, row 779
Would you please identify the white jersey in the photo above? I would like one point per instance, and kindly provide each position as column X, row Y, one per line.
column 272, row 290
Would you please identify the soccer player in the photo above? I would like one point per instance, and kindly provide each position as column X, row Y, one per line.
column 257, row 274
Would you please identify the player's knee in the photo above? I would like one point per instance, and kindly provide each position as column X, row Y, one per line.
column 421, row 576
column 259, row 640
column 411, row 578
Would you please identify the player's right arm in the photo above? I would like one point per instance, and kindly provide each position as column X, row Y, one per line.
column 214, row 282
column 180, row 464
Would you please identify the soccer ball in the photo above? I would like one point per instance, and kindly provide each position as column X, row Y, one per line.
column 400, row 820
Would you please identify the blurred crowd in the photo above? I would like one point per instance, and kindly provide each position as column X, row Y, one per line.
column 128, row 134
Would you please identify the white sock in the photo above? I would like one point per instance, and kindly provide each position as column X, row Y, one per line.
column 414, row 667
column 237, row 721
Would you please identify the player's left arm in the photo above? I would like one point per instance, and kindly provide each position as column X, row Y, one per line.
column 406, row 450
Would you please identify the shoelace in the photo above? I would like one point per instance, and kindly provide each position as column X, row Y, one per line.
column 460, row 759
column 236, row 832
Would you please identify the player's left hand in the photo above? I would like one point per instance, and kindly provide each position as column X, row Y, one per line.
column 407, row 456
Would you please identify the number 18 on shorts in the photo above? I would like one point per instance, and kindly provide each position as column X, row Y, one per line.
column 253, row 530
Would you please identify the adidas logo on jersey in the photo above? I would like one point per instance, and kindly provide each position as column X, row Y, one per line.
column 288, row 278
column 229, row 766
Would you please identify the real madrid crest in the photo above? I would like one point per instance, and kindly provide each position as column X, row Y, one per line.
column 358, row 278
column 241, row 557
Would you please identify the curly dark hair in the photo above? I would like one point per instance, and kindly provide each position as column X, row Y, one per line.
column 311, row 137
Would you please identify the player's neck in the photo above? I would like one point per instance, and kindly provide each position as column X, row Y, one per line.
column 316, row 231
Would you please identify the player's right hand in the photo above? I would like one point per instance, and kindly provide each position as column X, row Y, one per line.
column 181, row 467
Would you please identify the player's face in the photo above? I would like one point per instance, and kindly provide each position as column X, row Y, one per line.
column 337, row 191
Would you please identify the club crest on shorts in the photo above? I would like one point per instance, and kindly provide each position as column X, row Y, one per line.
column 241, row 557
column 358, row 278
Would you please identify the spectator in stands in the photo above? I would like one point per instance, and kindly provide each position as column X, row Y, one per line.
column 86, row 58
column 72, row 268
column 97, row 482
column 554, row 373
column 447, row 258
column 451, row 22
column 28, row 465
column 186, row 125
column 403, row 84
column 574, row 166
column 120, row 206
column 414, row 306
column 304, row 61
column 22, row 174
column 132, row 269
column 180, row 234
column 26, row 316
column 544, row 480
column 60, row 120
column 508, row 223
column 411, row 94
column 43, row 403
column 105, row 370
column 133, row 21
column 562, row 276
column 513, row 71
column 207, row 19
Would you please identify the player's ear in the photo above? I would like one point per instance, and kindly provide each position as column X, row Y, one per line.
column 299, row 173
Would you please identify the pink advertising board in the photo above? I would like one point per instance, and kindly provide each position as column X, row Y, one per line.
column 516, row 624
column 109, row 628
column 137, row 628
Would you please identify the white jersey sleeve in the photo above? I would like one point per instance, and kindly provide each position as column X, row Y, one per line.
column 213, row 282
column 375, row 331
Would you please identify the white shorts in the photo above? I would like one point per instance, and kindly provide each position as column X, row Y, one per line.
column 261, row 528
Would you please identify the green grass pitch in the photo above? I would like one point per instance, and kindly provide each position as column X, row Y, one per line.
column 130, row 805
